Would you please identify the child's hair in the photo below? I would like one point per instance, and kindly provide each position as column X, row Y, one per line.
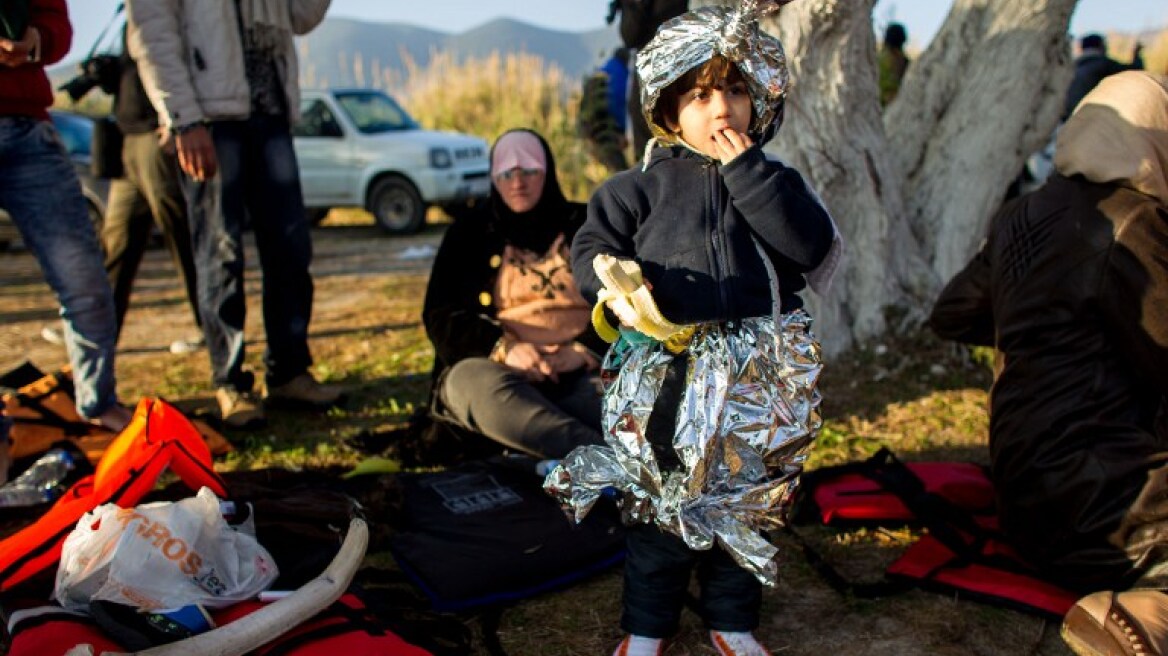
column 717, row 69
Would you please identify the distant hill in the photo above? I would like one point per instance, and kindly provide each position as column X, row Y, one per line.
column 327, row 54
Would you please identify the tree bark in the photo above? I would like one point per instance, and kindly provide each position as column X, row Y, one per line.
column 985, row 94
column 912, row 191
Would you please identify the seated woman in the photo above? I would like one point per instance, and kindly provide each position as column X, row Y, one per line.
column 1071, row 287
column 514, row 350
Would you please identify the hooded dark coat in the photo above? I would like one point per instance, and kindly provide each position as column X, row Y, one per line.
column 1071, row 287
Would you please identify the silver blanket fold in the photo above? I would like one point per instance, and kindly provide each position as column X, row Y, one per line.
column 744, row 424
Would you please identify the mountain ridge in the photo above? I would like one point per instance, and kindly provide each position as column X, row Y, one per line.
column 329, row 54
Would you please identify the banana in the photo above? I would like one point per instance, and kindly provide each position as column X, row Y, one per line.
column 623, row 283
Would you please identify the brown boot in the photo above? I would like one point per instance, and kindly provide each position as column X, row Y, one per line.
column 240, row 410
column 1129, row 623
column 304, row 393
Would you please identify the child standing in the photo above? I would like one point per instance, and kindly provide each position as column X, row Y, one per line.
column 711, row 401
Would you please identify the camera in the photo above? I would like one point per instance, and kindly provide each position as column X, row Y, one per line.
column 101, row 71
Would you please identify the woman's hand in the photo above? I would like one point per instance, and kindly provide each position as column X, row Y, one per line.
column 529, row 360
column 569, row 357
column 729, row 144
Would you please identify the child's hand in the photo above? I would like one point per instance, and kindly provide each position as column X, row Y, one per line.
column 730, row 143
column 623, row 310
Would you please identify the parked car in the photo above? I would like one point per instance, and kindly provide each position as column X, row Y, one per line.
column 358, row 147
column 76, row 132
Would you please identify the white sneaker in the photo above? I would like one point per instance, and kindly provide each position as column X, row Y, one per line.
column 53, row 335
column 728, row 643
column 188, row 345
column 635, row 645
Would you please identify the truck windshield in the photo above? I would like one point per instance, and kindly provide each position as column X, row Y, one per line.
column 373, row 112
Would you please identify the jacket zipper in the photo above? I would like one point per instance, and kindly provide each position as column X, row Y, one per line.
column 718, row 239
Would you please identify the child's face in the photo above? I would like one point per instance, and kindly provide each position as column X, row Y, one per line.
column 704, row 111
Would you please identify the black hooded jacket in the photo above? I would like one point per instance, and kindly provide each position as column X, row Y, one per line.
column 459, row 309
column 689, row 222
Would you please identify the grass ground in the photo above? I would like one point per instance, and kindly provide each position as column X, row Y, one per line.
column 922, row 398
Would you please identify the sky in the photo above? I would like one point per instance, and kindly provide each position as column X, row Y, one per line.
column 922, row 18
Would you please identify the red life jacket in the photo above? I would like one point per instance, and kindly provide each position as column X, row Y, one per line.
column 963, row 550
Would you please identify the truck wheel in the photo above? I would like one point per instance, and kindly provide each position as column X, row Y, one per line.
column 396, row 206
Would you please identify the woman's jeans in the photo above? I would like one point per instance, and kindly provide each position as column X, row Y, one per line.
column 258, row 186
column 40, row 190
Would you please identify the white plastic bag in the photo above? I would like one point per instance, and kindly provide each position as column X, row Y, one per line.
column 161, row 555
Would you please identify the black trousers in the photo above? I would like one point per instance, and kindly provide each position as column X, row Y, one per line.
column 657, row 574
column 546, row 420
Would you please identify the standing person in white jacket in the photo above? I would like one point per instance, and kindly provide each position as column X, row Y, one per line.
column 223, row 76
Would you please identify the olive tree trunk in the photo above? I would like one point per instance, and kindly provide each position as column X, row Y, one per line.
column 912, row 189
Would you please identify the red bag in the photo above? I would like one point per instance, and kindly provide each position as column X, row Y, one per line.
column 346, row 628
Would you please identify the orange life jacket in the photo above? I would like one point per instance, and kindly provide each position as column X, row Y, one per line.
column 158, row 436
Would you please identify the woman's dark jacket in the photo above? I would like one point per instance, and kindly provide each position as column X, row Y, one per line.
column 688, row 221
column 1071, row 287
column 459, row 309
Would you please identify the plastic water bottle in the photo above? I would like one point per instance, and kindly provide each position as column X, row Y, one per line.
column 40, row 483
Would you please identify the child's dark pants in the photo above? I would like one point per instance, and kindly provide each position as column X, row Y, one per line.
column 657, row 573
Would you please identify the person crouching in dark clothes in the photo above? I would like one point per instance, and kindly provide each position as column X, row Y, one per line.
column 1071, row 287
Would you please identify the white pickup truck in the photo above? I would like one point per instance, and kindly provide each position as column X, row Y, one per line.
column 359, row 148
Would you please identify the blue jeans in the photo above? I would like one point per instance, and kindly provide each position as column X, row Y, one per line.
column 258, row 184
column 41, row 192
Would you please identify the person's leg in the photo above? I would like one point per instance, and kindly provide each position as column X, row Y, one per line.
column 41, row 192
column 578, row 394
column 124, row 234
column 657, row 572
column 502, row 404
column 284, row 243
column 156, row 174
column 215, row 209
column 730, row 596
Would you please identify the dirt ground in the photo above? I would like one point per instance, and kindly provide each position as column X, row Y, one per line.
column 368, row 297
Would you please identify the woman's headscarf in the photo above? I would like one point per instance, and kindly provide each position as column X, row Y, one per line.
column 693, row 38
column 538, row 227
column 1119, row 134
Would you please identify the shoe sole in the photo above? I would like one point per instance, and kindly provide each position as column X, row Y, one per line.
column 1078, row 646
column 1100, row 636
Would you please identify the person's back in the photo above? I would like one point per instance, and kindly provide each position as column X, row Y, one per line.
column 616, row 68
column 1091, row 67
column 639, row 21
column 892, row 62
column 1071, row 287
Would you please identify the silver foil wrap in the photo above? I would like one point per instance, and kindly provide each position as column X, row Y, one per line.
column 746, row 419
column 696, row 36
